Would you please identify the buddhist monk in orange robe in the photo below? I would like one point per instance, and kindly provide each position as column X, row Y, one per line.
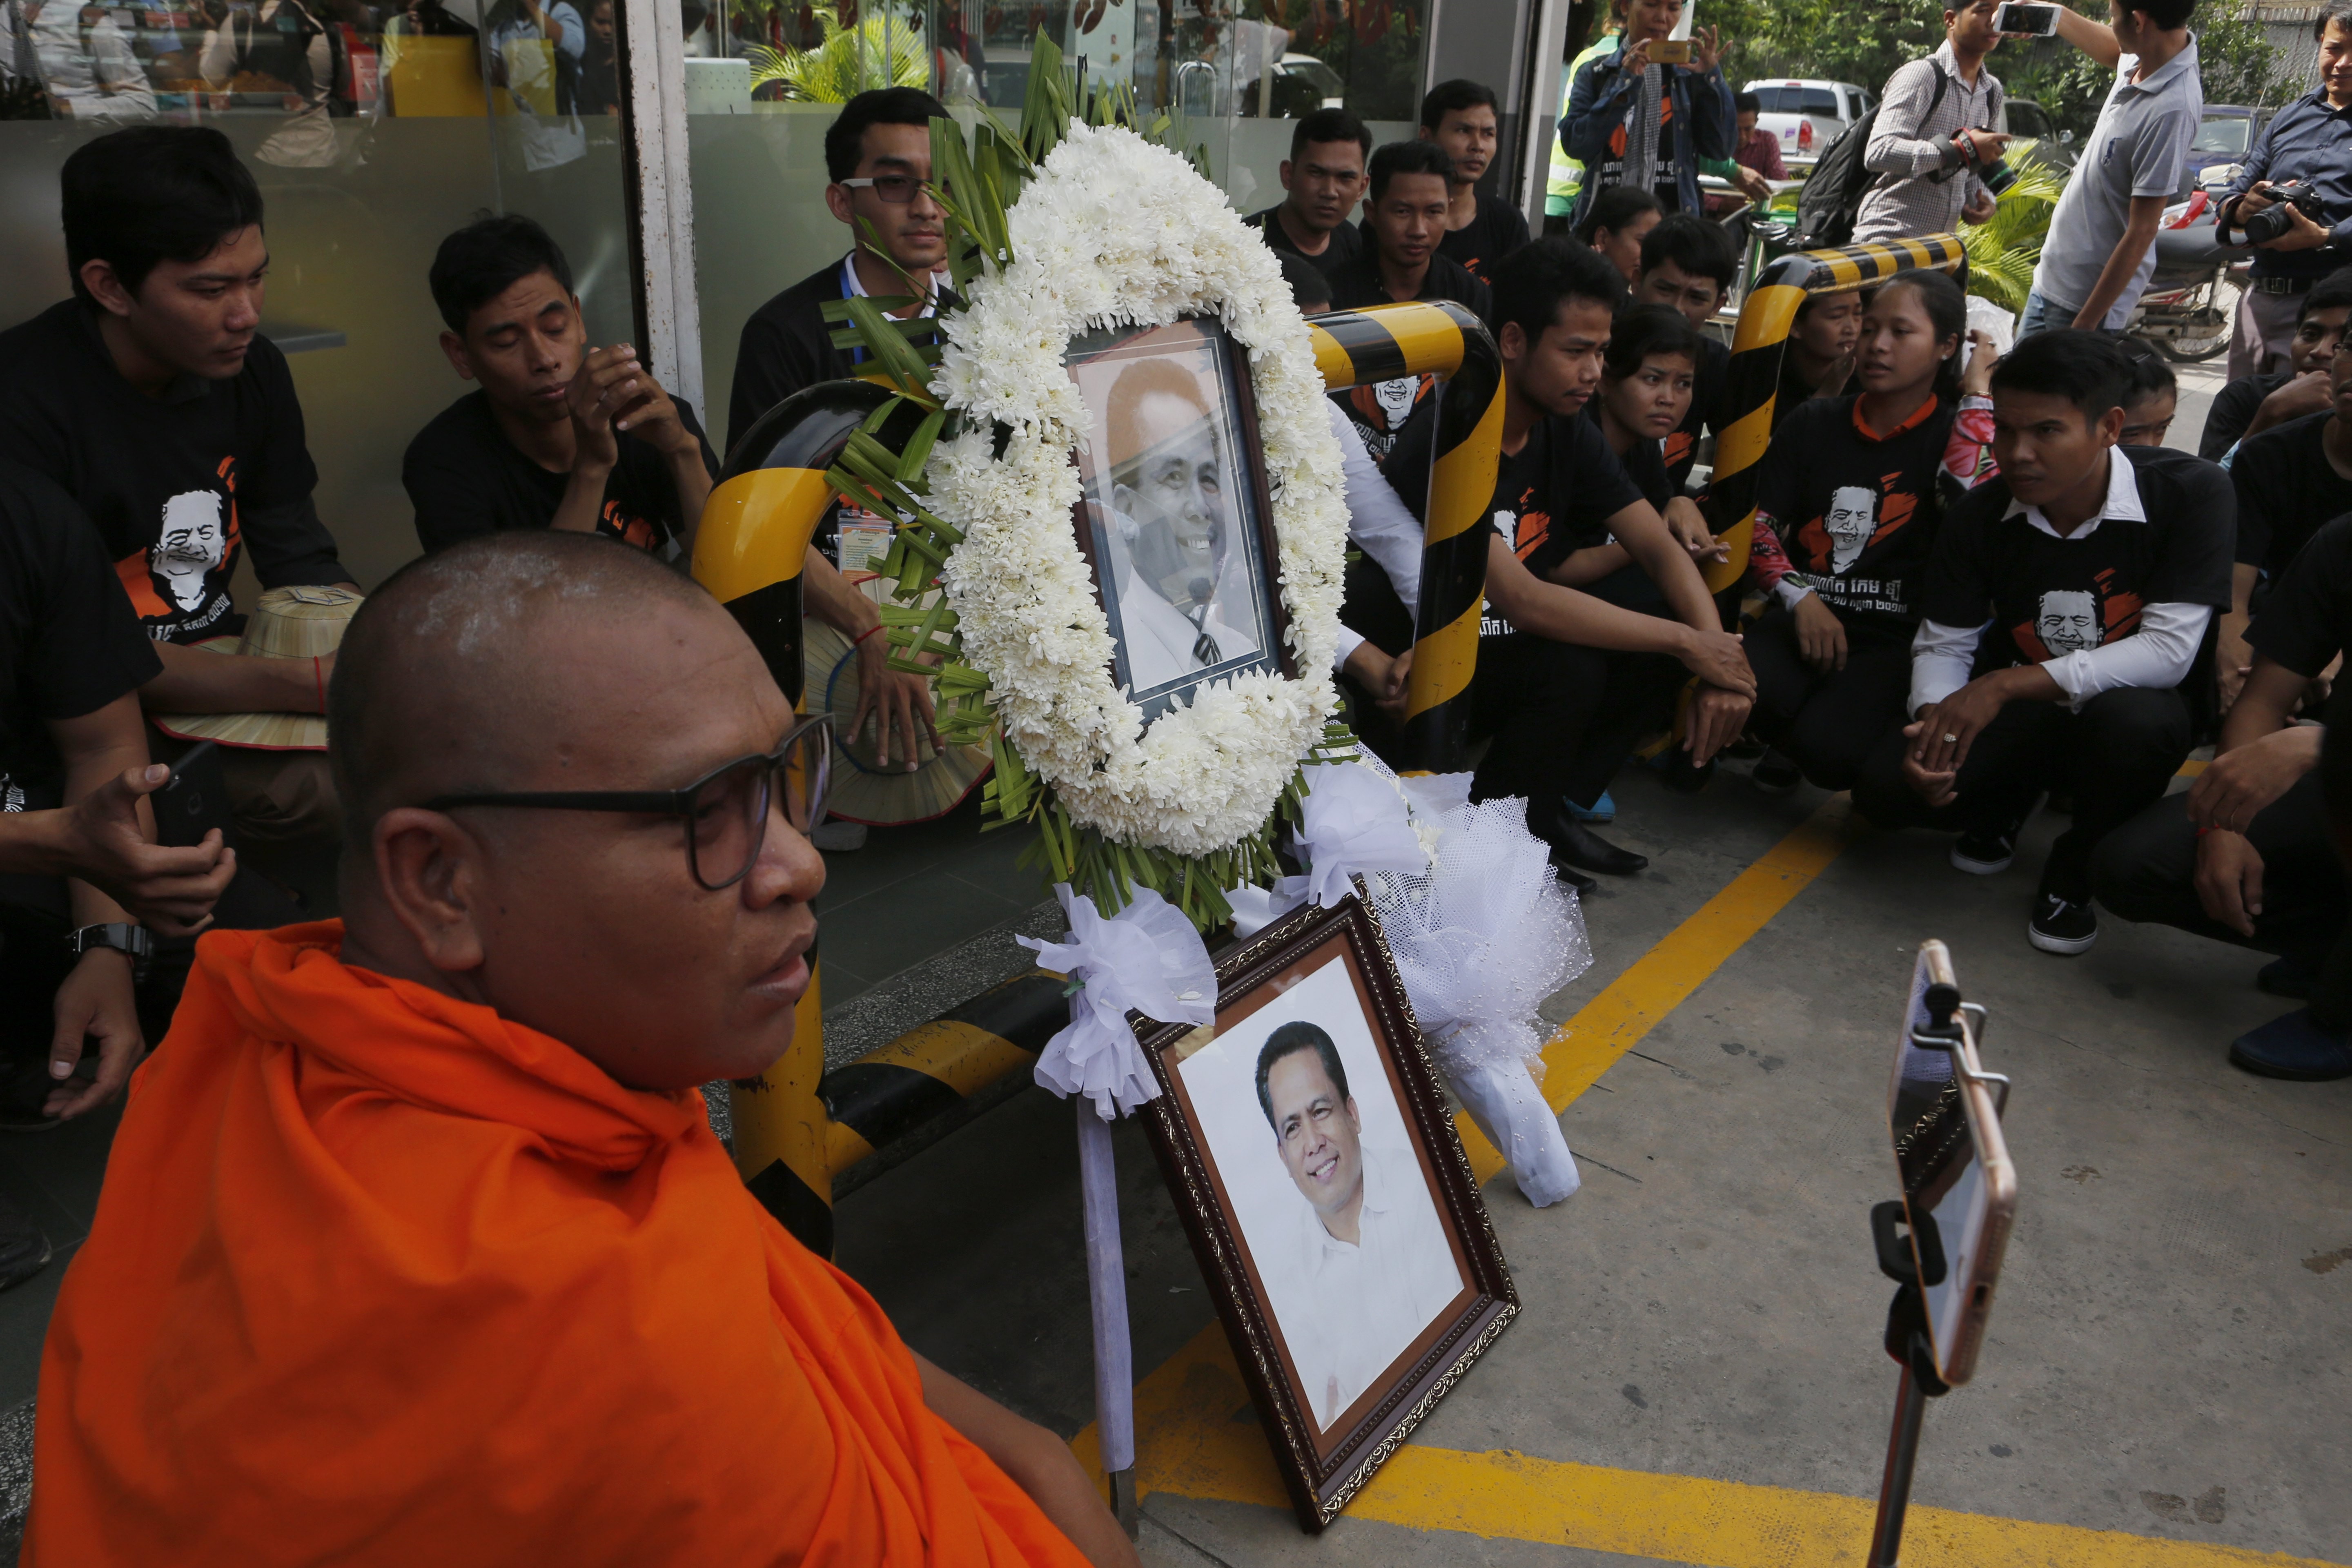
column 415, row 1248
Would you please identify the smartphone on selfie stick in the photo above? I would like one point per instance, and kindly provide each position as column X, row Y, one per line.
column 1942, row 1242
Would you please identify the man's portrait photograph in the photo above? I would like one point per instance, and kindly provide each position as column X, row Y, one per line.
column 1303, row 1123
column 1168, row 494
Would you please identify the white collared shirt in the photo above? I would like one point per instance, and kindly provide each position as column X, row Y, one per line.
column 2156, row 655
column 1365, row 1303
column 853, row 285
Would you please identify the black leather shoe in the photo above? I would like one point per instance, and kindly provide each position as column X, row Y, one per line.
column 1577, row 846
column 1571, row 874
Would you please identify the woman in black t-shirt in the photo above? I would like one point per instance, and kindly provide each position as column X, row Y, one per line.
column 1846, row 507
column 1647, row 372
column 1818, row 359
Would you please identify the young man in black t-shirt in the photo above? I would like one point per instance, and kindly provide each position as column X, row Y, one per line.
column 1567, row 683
column 1322, row 181
column 559, row 435
column 2063, row 609
column 151, row 399
column 2243, row 856
column 1687, row 264
column 1405, row 217
column 2253, row 404
column 73, row 770
column 1481, row 229
column 2289, row 481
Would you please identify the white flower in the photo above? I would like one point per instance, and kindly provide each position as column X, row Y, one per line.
column 1115, row 232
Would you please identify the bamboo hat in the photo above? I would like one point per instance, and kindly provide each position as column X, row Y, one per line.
column 862, row 789
column 300, row 621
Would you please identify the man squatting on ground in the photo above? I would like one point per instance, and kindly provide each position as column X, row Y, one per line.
column 493, row 1291
column 2060, row 623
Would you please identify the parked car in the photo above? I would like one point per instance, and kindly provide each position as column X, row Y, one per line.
column 2226, row 136
column 1808, row 115
column 2026, row 119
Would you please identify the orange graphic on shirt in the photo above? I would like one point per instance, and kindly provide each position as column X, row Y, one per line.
column 1678, row 447
column 1530, row 528
column 629, row 530
column 1665, row 120
column 178, row 579
column 1820, row 543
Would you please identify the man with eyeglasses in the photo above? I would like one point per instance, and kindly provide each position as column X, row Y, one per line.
column 877, row 154
column 419, row 1226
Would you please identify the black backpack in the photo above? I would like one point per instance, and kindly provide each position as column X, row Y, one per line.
column 1832, row 197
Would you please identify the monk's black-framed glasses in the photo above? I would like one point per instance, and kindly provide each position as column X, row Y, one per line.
column 725, row 812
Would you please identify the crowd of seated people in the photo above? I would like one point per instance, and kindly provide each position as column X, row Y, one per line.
column 1976, row 585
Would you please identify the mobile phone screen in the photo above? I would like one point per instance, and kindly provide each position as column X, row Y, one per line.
column 2036, row 21
column 1939, row 1155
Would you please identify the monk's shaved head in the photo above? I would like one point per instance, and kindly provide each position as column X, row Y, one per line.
column 444, row 682
column 561, row 662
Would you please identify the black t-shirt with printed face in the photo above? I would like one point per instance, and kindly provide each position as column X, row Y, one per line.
column 2287, row 488
column 1346, row 245
column 1554, row 496
column 1498, row 230
column 2234, row 408
column 465, row 478
column 1380, row 409
column 1857, row 511
column 176, row 485
column 2307, row 621
column 2045, row 596
column 68, row 646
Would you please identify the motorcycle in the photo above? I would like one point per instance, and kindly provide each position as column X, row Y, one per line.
column 2185, row 311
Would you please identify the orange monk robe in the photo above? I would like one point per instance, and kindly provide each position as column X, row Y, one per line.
column 378, row 1278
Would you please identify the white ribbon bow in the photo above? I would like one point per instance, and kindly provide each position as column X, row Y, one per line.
column 1354, row 822
column 1148, row 959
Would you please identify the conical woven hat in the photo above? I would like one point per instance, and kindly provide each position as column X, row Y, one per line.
column 297, row 622
column 863, row 790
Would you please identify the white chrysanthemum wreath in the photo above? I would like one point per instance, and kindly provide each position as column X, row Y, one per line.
column 1113, row 231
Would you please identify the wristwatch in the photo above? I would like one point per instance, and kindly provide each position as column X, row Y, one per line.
column 133, row 941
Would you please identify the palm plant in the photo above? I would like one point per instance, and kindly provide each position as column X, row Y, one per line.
column 883, row 50
column 2003, row 248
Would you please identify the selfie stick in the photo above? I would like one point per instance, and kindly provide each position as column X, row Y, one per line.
column 1107, row 1288
column 1907, row 1338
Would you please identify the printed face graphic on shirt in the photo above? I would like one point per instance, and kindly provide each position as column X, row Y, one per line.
column 1395, row 398
column 1851, row 521
column 193, row 545
column 2069, row 621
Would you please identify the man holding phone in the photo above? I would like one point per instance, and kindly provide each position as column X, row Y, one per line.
column 1936, row 132
column 2306, row 147
column 2101, row 245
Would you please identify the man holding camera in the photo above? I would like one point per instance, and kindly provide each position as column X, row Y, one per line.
column 1937, row 135
column 2293, row 199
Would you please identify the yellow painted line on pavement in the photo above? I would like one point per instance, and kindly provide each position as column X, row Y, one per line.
column 1197, row 1434
column 1609, row 1025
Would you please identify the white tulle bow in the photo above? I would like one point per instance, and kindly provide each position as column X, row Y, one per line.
column 1147, row 958
column 1354, row 824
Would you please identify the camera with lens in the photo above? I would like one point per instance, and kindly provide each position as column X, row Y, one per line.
column 2275, row 220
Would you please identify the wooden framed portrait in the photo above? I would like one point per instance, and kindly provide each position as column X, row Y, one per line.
column 1328, row 1199
column 1176, row 522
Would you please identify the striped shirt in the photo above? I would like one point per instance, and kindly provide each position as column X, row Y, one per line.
column 1922, row 184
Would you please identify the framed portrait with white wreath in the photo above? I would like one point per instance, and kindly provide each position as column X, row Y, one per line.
column 1328, row 1199
column 1175, row 520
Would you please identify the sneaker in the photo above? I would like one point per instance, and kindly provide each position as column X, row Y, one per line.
column 1985, row 851
column 2292, row 978
column 1775, row 775
column 24, row 1251
column 2295, row 1047
column 2059, row 925
column 1602, row 810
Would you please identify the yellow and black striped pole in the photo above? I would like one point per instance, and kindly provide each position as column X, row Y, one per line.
column 1757, row 344
column 748, row 551
column 1442, row 338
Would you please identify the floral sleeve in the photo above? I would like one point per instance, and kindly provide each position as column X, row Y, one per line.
column 1768, row 563
column 1967, row 456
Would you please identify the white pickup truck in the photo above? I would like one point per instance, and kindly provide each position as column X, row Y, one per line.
column 1807, row 116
